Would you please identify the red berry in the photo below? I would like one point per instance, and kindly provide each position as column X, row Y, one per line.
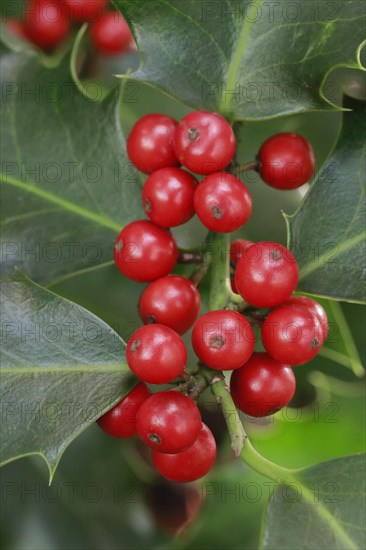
column 234, row 288
column 313, row 308
column 169, row 422
column 45, row 24
column 237, row 250
column 172, row 301
column 156, row 354
column 191, row 464
column 80, row 11
column 144, row 252
column 110, row 34
column 223, row 339
column 222, row 202
column 292, row 335
column 167, row 196
column 204, row 142
column 120, row 421
column 267, row 274
column 150, row 143
column 286, row 161
column 16, row 27
column 262, row 386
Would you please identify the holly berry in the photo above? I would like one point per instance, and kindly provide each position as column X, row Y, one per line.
column 80, row 11
column 16, row 27
column 120, row 421
column 223, row 339
column 150, row 143
column 237, row 250
column 234, row 288
column 144, row 252
column 172, row 301
column 313, row 308
column 167, row 196
column 267, row 275
column 292, row 335
column 262, row 386
column 222, row 202
column 191, row 464
column 286, row 161
column 204, row 142
column 156, row 354
column 110, row 34
column 46, row 25
column 169, row 422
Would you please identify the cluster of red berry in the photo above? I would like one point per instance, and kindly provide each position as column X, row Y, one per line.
column 292, row 332
column 169, row 422
column 266, row 275
column 47, row 23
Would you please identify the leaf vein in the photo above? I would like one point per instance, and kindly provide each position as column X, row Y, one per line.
column 321, row 260
column 63, row 203
column 200, row 27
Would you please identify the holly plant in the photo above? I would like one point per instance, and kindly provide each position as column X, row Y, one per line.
column 182, row 255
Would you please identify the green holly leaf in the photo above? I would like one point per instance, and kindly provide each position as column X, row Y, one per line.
column 62, row 368
column 340, row 345
column 323, row 508
column 66, row 183
column 327, row 233
column 244, row 59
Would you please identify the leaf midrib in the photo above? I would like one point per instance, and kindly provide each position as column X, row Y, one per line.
column 328, row 518
column 320, row 509
column 62, row 203
column 236, row 58
column 320, row 262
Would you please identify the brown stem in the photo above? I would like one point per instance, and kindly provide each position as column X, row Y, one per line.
column 255, row 319
column 192, row 384
column 190, row 258
column 198, row 274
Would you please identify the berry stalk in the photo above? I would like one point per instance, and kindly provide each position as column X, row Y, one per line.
column 233, row 422
column 240, row 442
column 218, row 246
column 241, row 168
column 265, row 467
column 217, row 255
